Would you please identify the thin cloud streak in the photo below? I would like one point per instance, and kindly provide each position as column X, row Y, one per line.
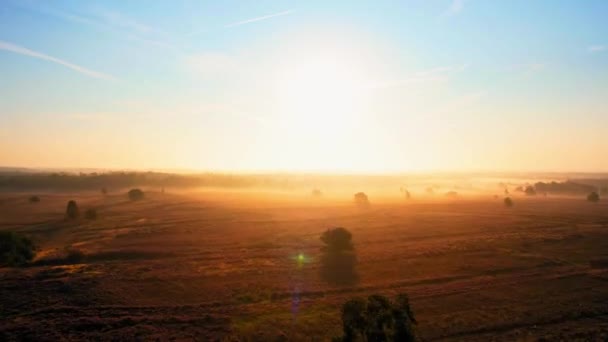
column 439, row 74
column 27, row 52
column 597, row 48
column 253, row 20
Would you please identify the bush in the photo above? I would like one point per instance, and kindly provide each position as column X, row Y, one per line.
column 104, row 191
column 15, row 250
column 72, row 211
column 316, row 193
column 593, row 197
column 451, row 194
column 74, row 256
column 135, row 194
column 339, row 259
column 530, row 191
column 90, row 214
column 361, row 199
column 378, row 319
column 508, row 202
column 34, row 199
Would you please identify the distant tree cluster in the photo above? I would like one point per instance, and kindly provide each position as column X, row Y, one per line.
column 378, row 319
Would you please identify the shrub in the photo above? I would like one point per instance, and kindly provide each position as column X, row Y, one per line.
column 378, row 319
column 316, row 193
column 15, row 250
column 530, row 191
column 508, row 202
column 451, row 194
column 593, row 197
column 90, row 214
column 361, row 199
column 339, row 259
column 135, row 194
column 104, row 191
column 72, row 211
column 34, row 199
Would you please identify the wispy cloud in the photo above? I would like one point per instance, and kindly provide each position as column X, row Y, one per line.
column 439, row 74
column 455, row 8
column 597, row 48
column 264, row 17
column 27, row 52
column 108, row 20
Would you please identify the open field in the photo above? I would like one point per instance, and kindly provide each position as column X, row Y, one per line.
column 222, row 265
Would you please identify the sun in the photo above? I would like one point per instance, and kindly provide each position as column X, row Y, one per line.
column 321, row 94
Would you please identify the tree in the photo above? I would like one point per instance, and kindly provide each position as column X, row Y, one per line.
column 339, row 260
column 508, row 202
column 34, row 199
column 593, row 197
column 72, row 211
column 15, row 249
column 316, row 193
column 378, row 319
column 361, row 199
column 135, row 194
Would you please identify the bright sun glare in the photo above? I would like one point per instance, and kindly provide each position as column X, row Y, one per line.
column 321, row 95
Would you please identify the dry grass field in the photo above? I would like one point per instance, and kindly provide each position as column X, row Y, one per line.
column 214, row 265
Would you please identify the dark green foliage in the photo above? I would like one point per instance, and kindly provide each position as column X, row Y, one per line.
column 339, row 260
column 361, row 199
column 72, row 210
column 378, row 319
column 15, row 250
column 90, row 214
column 593, row 197
column 135, row 194
column 34, row 199
column 508, row 202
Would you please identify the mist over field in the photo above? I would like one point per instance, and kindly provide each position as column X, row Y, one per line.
column 272, row 171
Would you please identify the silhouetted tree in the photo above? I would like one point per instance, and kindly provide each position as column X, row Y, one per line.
column 135, row 194
column 339, row 260
column 34, row 199
column 593, row 197
column 72, row 211
column 378, row 319
column 15, row 249
column 361, row 199
column 508, row 202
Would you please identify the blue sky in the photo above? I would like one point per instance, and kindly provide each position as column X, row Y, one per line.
column 450, row 85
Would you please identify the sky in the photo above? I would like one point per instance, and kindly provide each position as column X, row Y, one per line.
column 323, row 86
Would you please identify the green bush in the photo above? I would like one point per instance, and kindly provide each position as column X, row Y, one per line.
column 135, row 194
column 15, row 250
column 72, row 210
